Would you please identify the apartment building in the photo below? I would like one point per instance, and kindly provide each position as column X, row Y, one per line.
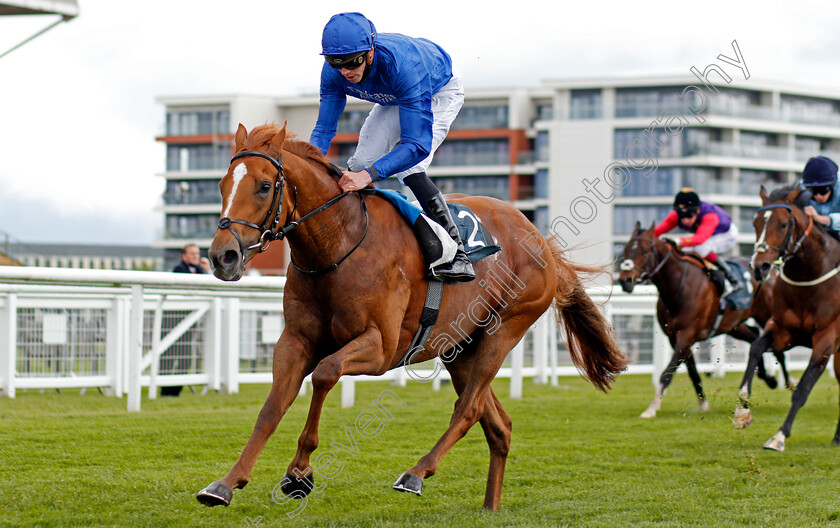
column 584, row 159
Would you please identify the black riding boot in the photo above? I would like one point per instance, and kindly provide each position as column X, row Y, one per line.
column 460, row 269
column 736, row 281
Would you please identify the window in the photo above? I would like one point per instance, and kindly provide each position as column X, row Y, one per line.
column 541, row 146
column 351, row 121
column 191, row 226
column 626, row 216
column 665, row 181
column 481, row 117
column 192, row 123
column 810, row 110
column 202, row 156
column 585, row 104
column 192, row 192
column 495, row 186
column 473, row 152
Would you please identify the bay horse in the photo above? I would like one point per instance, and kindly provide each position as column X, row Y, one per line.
column 354, row 296
column 688, row 307
column 805, row 309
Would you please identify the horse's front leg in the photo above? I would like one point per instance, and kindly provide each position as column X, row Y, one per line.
column 681, row 347
column 363, row 355
column 292, row 363
column 823, row 348
column 743, row 415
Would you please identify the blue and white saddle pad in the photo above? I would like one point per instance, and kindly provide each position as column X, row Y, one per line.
column 477, row 240
column 740, row 299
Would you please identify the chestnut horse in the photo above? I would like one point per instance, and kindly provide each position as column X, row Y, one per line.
column 805, row 310
column 688, row 307
column 355, row 293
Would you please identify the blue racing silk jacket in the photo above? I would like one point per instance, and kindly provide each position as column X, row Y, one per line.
column 406, row 72
column 830, row 208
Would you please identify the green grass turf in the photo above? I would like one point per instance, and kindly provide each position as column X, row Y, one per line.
column 578, row 458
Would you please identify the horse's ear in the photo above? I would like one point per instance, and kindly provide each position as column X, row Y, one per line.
column 794, row 194
column 652, row 225
column 241, row 134
column 763, row 193
column 279, row 138
column 638, row 227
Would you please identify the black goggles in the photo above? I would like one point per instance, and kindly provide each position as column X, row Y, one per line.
column 351, row 62
column 821, row 189
column 686, row 213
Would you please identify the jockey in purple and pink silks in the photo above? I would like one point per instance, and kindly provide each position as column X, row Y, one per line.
column 712, row 231
column 417, row 96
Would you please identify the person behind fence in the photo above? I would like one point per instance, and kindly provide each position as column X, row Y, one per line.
column 171, row 361
column 191, row 261
column 711, row 228
column 416, row 95
column 820, row 178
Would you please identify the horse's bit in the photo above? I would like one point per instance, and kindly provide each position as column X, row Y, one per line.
column 275, row 231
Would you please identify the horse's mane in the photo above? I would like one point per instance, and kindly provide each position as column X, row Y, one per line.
column 780, row 194
column 261, row 135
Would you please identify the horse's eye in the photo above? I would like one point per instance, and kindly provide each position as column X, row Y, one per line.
column 265, row 187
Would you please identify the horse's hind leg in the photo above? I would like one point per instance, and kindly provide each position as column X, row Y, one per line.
column 691, row 366
column 290, row 367
column 496, row 424
column 471, row 406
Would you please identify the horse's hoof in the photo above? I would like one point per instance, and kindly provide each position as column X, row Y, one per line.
column 290, row 485
column 742, row 419
column 409, row 482
column 649, row 413
column 704, row 406
column 776, row 442
column 216, row 494
column 771, row 382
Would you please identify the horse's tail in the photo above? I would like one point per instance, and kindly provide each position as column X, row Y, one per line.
column 589, row 337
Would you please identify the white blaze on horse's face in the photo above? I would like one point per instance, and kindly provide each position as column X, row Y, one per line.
column 238, row 173
column 759, row 244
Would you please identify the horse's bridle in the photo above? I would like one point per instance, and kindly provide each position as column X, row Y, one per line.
column 270, row 233
column 785, row 253
column 644, row 274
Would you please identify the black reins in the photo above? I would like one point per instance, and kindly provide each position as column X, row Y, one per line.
column 272, row 232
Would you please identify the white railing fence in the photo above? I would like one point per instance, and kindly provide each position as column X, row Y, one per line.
column 119, row 331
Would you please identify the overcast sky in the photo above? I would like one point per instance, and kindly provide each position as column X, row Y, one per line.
column 78, row 160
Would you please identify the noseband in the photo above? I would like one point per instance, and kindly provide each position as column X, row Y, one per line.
column 272, row 232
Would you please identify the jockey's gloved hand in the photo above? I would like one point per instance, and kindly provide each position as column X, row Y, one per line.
column 670, row 241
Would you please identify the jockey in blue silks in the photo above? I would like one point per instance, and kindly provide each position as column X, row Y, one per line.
column 417, row 96
column 820, row 178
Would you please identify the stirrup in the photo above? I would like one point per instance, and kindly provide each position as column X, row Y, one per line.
column 460, row 269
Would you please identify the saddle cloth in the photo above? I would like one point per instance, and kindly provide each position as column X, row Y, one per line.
column 477, row 239
column 737, row 300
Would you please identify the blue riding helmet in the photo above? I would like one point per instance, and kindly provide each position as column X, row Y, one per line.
column 347, row 33
column 819, row 171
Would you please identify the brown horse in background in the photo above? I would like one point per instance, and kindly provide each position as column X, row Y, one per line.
column 688, row 307
column 806, row 308
column 355, row 293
